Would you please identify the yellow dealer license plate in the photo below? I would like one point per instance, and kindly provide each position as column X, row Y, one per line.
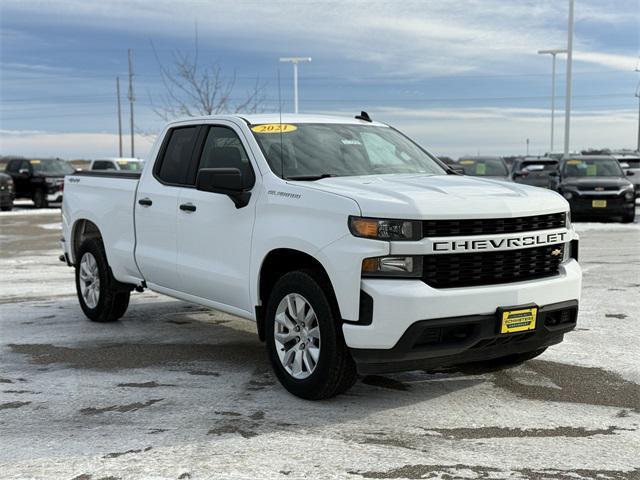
column 598, row 203
column 518, row 320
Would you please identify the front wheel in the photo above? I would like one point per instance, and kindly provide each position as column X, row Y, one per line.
column 304, row 338
column 629, row 217
column 100, row 296
column 40, row 199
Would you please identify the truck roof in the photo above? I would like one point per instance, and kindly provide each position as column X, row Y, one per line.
column 261, row 118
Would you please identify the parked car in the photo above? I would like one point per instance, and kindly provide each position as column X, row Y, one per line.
column 534, row 171
column 6, row 192
column 596, row 186
column 126, row 164
column 353, row 249
column 39, row 180
column 631, row 163
column 485, row 166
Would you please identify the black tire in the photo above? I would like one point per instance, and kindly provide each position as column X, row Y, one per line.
column 6, row 208
column 113, row 298
column 512, row 360
column 630, row 217
column 40, row 199
column 335, row 371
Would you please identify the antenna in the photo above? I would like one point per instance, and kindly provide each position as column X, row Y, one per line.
column 280, row 111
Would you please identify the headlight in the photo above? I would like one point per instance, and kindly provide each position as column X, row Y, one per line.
column 567, row 195
column 404, row 267
column 385, row 229
column 629, row 194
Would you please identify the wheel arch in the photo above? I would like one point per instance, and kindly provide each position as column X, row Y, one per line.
column 277, row 263
column 82, row 230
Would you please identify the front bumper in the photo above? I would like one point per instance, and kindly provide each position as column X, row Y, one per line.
column 54, row 197
column 6, row 198
column 450, row 341
column 618, row 205
column 398, row 304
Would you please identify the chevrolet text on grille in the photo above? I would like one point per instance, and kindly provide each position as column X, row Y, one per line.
column 499, row 244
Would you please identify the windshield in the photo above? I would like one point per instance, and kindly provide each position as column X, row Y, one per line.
column 484, row 167
column 592, row 167
column 306, row 151
column 52, row 167
column 632, row 162
column 540, row 166
column 130, row 166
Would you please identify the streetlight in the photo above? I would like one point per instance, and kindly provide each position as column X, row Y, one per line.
column 553, row 53
column 295, row 61
column 567, row 108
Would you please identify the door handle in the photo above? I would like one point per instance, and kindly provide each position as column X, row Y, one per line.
column 145, row 202
column 188, row 207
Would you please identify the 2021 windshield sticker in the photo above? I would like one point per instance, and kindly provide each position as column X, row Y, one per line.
column 274, row 128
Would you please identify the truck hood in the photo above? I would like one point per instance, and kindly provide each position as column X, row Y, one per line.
column 442, row 196
column 590, row 183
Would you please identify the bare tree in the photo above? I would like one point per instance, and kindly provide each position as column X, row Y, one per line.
column 193, row 90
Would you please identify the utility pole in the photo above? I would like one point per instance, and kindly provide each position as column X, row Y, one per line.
column 638, row 95
column 527, row 147
column 119, row 118
column 553, row 53
column 567, row 108
column 295, row 61
column 131, row 100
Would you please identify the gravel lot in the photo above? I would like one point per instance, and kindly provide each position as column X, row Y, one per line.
column 175, row 391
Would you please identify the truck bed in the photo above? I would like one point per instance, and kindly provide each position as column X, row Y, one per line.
column 105, row 198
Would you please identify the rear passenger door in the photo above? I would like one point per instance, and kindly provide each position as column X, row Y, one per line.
column 214, row 237
column 156, row 208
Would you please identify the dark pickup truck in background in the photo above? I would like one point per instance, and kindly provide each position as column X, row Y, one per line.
column 39, row 180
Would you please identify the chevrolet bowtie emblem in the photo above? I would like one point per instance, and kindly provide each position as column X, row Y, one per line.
column 556, row 252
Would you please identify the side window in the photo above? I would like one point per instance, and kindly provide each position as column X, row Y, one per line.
column 24, row 165
column 174, row 166
column 103, row 165
column 13, row 166
column 223, row 149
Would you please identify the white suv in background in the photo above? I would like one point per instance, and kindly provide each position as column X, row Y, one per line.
column 117, row 163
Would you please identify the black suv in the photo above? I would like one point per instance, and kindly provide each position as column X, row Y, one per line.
column 6, row 192
column 596, row 186
column 40, row 180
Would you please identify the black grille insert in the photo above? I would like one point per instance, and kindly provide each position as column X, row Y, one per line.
column 488, row 268
column 490, row 226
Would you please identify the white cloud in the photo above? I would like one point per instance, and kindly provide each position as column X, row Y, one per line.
column 610, row 60
column 68, row 145
column 445, row 131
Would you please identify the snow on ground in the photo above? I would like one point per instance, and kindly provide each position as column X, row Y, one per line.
column 177, row 391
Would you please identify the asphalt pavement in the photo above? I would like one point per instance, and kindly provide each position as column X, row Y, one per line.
column 176, row 391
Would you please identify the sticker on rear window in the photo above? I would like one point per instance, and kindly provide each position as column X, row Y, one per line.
column 36, row 162
column 574, row 162
column 481, row 169
column 274, row 128
column 466, row 162
column 592, row 170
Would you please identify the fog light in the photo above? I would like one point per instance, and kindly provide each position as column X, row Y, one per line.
column 407, row 266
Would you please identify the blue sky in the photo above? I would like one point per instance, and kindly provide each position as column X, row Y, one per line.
column 461, row 77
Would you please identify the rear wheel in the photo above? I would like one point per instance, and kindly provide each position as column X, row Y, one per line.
column 6, row 208
column 40, row 199
column 304, row 338
column 101, row 297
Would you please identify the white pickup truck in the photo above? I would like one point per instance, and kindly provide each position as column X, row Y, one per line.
column 352, row 248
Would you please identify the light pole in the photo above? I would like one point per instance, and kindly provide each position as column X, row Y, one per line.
column 295, row 61
column 638, row 95
column 553, row 53
column 567, row 108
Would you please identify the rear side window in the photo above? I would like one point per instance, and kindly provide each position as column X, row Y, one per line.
column 223, row 149
column 103, row 165
column 177, row 155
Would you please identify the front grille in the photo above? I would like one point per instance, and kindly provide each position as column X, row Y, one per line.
column 454, row 228
column 488, row 268
column 608, row 188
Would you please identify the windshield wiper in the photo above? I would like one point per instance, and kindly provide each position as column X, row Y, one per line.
column 311, row 178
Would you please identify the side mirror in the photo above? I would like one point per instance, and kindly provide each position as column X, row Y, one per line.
column 227, row 181
column 457, row 169
column 23, row 171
